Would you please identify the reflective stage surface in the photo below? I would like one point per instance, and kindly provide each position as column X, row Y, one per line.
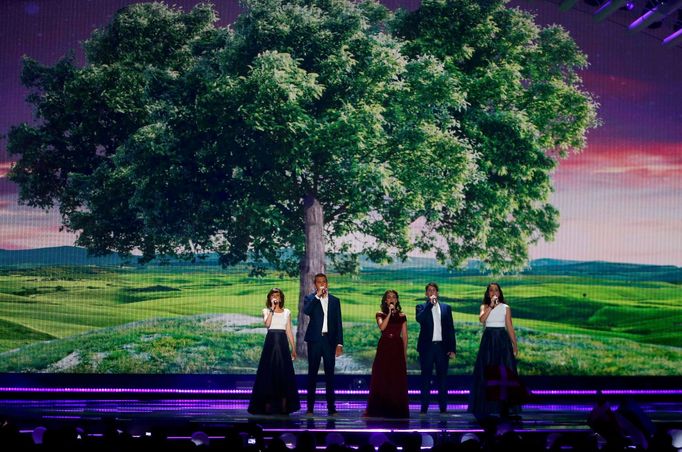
column 178, row 419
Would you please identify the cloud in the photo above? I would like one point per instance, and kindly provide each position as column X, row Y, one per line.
column 15, row 237
column 617, row 86
column 619, row 202
column 656, row 241
column 4, row 168
column 7, row 187
column 624, row 164
column 25, row 227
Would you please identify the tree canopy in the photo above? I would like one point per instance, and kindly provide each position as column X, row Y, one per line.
column 324, row 122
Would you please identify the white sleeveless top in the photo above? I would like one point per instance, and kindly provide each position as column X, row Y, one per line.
column 279, row 319
column 497, row 316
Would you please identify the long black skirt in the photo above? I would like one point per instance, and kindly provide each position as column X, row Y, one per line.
column 496, row 388
column 275, row 391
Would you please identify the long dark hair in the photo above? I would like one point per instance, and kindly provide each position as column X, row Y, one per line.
column 384, row 305
column 486, row 296
column 268, row 303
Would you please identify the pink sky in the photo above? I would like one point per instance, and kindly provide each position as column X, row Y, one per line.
column 619, row 198
column 619, row 201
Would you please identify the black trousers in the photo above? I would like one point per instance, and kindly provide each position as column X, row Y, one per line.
column 318, row 351
column 435, row 354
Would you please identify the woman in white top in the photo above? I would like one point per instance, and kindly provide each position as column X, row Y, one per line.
column 275, row 390
column 496, row 389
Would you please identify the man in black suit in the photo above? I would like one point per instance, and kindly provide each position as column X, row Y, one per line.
column 436, row 345
column 324, row 337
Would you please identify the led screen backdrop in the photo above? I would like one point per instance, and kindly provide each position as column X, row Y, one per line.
column 601, row 298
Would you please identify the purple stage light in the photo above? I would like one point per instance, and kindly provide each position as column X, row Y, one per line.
column 641, row 391
column 559, row 408
column 46, row 416
column 673, row 37
column 231, row 392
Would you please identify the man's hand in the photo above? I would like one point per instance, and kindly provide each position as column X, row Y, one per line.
column 339, row 350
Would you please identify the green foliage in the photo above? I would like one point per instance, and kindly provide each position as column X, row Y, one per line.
column 206, row 320
column 525, row 109
column 14, row 335
column 178, row 137
column 155, row 346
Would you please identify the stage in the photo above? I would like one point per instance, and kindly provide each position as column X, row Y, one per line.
column 178, row 416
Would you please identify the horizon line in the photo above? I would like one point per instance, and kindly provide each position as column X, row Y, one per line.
column 530, row 261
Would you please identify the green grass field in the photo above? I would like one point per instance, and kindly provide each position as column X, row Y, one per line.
column 183, row 319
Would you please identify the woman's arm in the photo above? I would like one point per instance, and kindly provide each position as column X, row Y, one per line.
column 382, row 321
column 510, row 330
column 290, row 336
column 485, row 312
column 267, row 317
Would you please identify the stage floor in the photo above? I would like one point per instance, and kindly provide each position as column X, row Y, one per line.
column 184, row 416
column 175, row 410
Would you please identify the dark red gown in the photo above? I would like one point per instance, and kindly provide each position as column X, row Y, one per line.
column 388, row 386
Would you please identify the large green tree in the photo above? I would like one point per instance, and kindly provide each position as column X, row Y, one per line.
column 306, row 128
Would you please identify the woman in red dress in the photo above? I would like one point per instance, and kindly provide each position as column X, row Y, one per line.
column 388, row 387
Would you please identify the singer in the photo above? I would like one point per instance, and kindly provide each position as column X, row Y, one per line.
column 496, row 388
column 388, row 386
column 324, row 337
column 436, row 345
column 275, row 391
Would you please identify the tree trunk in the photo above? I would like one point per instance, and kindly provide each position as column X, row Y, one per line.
column 312, row 263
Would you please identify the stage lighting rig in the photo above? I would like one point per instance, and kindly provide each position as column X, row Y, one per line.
column 676, row 36
column 653, row 14
column 655, row 17
column 608, row 8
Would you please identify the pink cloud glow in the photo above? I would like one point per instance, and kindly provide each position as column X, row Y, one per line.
column 26, row 237
column 624, row 88
column 25, row 227
column 629, row 164
column 4, row 168
column 619, row 201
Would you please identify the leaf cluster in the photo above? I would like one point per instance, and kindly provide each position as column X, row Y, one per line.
column 436, row 129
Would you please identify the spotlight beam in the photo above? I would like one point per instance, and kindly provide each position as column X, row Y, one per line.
column 656, row 14
column 673, row 38
column 607, row 9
